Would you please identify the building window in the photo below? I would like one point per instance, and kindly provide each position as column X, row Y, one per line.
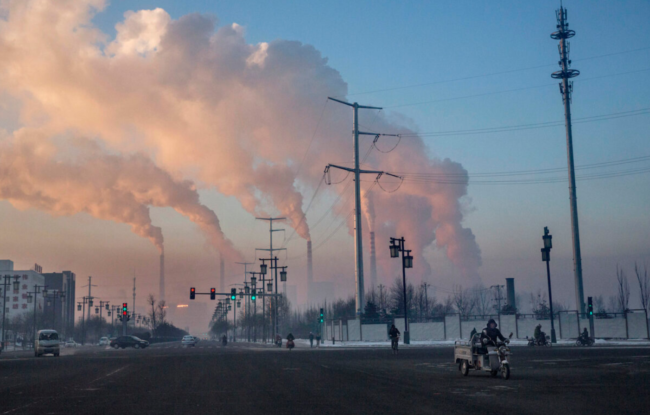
column 24, row 276
column 24, row 305
column 15, row 299
column 15, row 307
column 24, row 286
column 24, row 295
column 16, row 291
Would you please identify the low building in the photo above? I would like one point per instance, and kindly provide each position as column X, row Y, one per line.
column 26, row 298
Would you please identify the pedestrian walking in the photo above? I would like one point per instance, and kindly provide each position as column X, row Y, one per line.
column 311, row 339
column 318, row 340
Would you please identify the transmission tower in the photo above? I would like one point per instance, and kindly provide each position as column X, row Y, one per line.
column 566, row 87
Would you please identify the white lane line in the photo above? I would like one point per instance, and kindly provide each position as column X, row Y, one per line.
column 111, row 374
column 22, row 407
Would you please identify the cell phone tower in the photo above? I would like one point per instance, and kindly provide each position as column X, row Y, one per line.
column 566, row 87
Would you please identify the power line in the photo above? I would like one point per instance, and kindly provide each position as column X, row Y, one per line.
column 507, row 90
column 465, row 78
column 529, row 126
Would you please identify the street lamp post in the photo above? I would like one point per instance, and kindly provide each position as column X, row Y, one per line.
column 397, row 247
column 37, row 290
column 52, row 297
column 254, row 291
column 546, row 257
column 5, row 284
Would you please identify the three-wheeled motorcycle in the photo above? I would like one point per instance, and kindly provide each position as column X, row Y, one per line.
column 488, row 357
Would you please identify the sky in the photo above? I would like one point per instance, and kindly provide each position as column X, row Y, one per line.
column 435, row 67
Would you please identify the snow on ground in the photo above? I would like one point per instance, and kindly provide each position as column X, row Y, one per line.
column 447, row 343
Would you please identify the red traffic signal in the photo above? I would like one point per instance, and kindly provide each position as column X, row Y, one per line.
column 213, row 293
column 124, row 309
column 192, row 293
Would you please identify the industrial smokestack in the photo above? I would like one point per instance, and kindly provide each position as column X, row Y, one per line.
column 373, row 262
column 310, row 268
column 162, row 277
column 510, row 292
column 222, row 275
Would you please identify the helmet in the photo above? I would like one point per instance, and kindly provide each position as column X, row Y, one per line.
column 491, row 321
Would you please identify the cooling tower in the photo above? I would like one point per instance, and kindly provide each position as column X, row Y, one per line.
column 162, row 277
column 310, row 269
column 373, row 262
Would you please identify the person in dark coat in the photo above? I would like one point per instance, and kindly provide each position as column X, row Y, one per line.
column 491, row 333
column 311, row 339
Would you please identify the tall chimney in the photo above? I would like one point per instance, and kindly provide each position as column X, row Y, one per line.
column 373, row 262
column 510, row 292
column 310, row 269
column 222, row 275
column 162, row 277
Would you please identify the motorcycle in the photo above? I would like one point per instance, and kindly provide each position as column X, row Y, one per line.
column 472, row 355
column 278, row 341
column 290, row 344
column 543, row 341
column 585, row 341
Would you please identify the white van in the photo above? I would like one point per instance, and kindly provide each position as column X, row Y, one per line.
column 47, row 341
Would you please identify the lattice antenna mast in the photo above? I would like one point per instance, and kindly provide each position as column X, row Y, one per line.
column 566, row 88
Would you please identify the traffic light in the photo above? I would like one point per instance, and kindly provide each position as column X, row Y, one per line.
column 322, row 316
column 193, row 293
column 213, row 294
column 233, row 294
column 253, row 295
column 590, row 306
column 125, row 310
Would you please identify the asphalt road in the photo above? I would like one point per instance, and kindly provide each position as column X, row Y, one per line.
column 250, row 379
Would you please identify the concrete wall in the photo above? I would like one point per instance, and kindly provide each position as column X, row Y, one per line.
column 637, row 326
column 452, row 322
column 374, row 332
column 354, row 330
column 427, row 331
column 609, row 327
column 569, row 328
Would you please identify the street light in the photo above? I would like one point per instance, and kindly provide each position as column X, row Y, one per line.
column 247, row 289
column 263, row 269
column 546, row 257
column 269, row 287
column 253, row 281
column 397, row 245
column 16, row 283
column 283, row 275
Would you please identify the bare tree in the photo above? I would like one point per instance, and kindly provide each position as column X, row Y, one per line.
column 483, row 299
column 599, row 305
column 623, row 298
column 162, row 311
column 464, row 300
column 644, row 285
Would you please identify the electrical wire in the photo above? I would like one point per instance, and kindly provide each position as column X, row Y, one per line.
column 411, row 104
column 465, row 78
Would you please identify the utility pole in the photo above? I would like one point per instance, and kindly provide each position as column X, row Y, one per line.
column 247, row 299
column 270, row 250
column 358, row 235
column 566, row 88
column 426, row 286
column 133, row 295
column 90, row 297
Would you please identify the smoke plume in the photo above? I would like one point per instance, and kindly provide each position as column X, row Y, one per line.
column 204, row 105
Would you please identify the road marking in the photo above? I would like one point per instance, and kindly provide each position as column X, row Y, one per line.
column 22, row 407
column 111, row 374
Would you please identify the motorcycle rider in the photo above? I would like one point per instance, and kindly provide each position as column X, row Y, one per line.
column 278, row 340
column 290, row 340
column 540, row 336
column 491, row 333
column 584, row 336
column 224, row 340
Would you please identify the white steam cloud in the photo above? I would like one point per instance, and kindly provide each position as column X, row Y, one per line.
column 206, row 106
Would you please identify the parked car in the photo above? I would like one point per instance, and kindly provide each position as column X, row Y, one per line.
column 47, row 341
column 188, row 341
column 123, row 342
column 71, row 343
column 104, row 341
